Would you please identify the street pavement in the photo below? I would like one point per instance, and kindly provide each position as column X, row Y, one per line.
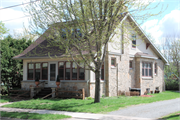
column 150, row 110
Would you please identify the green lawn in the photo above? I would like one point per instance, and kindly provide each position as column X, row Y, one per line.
column 25, row 115
column 173, row 116
column 5, row 99
column 107, row 104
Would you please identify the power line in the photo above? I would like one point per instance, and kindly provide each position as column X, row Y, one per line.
column 16, row 18
column 18, row 5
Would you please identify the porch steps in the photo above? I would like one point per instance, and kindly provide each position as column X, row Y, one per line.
column 43, row 93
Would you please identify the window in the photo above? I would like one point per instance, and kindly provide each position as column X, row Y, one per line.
column 102, row 72
column 155, row 68
column 44, row 71
column 37, row 70
column 133, row 41
column 61, row 70
column 68, row 71
column 113, row 60
column 30, row 71
column 74, row 71
column 81, row 72
column 146, row 69
column 52, row 71
column 130, row 64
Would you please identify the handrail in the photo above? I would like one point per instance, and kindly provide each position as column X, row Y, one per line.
column 48, row 95
column 41, row 82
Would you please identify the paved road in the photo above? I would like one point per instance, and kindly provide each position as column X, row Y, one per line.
column 151, row 110
column 75, row 115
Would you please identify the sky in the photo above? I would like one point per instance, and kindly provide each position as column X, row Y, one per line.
column 168, row 23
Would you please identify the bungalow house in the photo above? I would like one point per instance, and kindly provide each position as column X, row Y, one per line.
column 137, row 64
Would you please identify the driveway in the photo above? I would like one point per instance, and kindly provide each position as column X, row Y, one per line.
column 151, row 110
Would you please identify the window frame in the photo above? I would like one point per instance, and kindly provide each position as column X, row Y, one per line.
column 130, row 64
column 102, row 70
column 148, row 69
column 68, row 68
column 114, row 62
column 62, row 68
column 30, row 69
column 42, row 70
column 72, row 70
column 133, row 40
column 155, row 69
column 37, row 69
column 79, row 72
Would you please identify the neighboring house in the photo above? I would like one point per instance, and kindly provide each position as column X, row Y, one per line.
column 137, row 64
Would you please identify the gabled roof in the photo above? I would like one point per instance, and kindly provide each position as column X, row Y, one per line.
column 147, row 39
column 40, row 49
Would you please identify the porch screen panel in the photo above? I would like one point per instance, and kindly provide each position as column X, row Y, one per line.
column 81, row 71
column 68, row 71
column 37, row 70
column 74, row 71
column 30, row 71
column 52, row 72
column 61, row 70
column 44, row 71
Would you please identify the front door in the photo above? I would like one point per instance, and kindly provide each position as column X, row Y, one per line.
column 52, row 74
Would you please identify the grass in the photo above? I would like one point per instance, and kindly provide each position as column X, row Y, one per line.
column 107, row 104
column 4, row 99
column 25, row 115
column 173, row 116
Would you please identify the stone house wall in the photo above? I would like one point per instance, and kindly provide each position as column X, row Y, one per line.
column 156, row 80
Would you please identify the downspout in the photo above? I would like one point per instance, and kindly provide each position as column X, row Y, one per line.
column 117, row 77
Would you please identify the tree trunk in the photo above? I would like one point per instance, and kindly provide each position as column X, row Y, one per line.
column 97, row 86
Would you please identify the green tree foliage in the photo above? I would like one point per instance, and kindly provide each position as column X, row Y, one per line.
column 12, row 70
column 3, row 30
column 83, row 28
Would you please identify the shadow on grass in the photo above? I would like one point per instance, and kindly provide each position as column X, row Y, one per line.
column 5, row 99
column 172, row 117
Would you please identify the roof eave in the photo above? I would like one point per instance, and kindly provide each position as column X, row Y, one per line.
column 164, row 59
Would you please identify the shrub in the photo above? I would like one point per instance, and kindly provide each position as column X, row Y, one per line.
column 172, row 84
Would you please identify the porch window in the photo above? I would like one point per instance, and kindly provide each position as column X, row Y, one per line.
column 52, row 72
column 44, row 71
column 74, row 71
column 155, row 68
column 68, row 71
column 146, row 69
column 37, row 70
column 30, row 71
column 61, row 70
column 81, row 72
column 102, row 72
column 133, row 41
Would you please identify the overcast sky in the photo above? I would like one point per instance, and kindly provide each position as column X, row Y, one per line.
column 166, row 24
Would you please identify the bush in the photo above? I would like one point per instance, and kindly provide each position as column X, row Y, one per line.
column 172, row 84
column 4, row 89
